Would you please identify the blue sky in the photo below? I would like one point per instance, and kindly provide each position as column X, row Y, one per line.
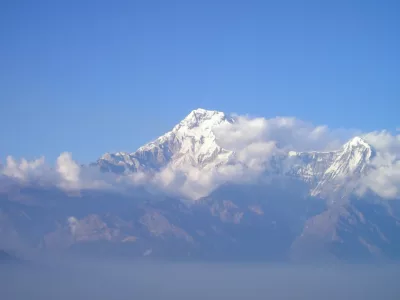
column 95, row 76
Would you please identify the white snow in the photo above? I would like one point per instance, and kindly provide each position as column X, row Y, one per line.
column 193, row 143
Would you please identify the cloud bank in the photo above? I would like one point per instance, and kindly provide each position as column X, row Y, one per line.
column 253, row 141
column 250, row 143
column 287, row 132
column 384, row 176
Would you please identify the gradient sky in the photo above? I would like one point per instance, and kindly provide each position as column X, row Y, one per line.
column 95, row 76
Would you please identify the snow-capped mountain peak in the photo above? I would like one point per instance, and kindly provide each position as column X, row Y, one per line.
column 196, row 139
column 353, row 157
column 356, row 142
column 349, row 163
column 191, row 142
column 205, row 119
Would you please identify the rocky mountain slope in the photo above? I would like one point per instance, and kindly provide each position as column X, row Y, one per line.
column 303, row 205
column 193, row 142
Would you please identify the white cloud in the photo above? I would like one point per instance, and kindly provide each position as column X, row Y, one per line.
column 253, row 141
column 256, row 155
column 287, row 132
column 186, row 180
column 384, row 177
column 23, row 170
column 384, row 141
column 193, row 182
column 73, row 177
column 69, row 171
column 66, row 174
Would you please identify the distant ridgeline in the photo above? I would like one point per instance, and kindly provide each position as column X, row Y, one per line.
column 201, row 194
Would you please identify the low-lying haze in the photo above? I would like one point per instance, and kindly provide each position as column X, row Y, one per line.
column 172, row 281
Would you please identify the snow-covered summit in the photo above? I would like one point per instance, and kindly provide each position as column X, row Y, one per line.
column 198, row 123
column 201, row 118
column 348, row 163
column 356, row 142
column 353, row 157
column 192, row 144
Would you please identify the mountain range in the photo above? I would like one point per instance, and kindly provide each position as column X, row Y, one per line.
column 213, row 192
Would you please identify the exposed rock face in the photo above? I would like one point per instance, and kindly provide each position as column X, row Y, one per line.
column 193, row 144
column 304, row 208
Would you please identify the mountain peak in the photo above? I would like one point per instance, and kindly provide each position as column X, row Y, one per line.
column 356, row 142
column 201, row 117
column 191, row 142
column 203, row 111
column 350, row 162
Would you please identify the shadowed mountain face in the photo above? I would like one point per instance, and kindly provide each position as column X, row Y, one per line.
column 198, row 142
column 297, row 206
column 253, row 222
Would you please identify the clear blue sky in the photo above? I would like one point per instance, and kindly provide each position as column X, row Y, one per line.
column 96, row 76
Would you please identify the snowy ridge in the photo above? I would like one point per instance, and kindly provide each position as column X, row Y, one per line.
column 350, row 163
column 193, row 143
column 328, row 170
